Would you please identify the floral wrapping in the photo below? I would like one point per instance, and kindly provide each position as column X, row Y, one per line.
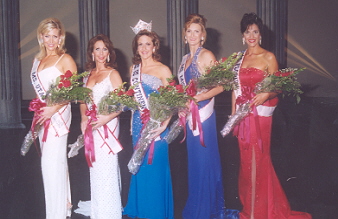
column 67, row 88
column 283, row 80
column 162, row 105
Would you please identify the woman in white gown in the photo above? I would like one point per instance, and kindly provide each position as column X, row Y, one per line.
column 104, row 129
column 50, row 63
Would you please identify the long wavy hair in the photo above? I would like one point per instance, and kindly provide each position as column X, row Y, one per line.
column 156, row 42
column 90, row 64
column 44, row 27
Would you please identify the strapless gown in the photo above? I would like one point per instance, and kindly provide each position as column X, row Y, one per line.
column 150, row 194
column 260, row 191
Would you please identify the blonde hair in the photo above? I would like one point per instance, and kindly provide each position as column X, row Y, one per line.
column 44, row 27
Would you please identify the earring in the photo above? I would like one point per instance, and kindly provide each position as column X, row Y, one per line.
column 202, row 39
column 108, row 58
column 93, row 58
column 153, row 50
column 243, row 40
column 186, row 41
column 260, row 41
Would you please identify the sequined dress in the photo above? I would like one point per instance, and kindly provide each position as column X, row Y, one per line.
column 260, row 191
column 150, row 194
column 105, row 181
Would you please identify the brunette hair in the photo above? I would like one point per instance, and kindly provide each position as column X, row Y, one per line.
column 44, row 27
column 108, row 43
column 250, row 19
column 196, row 19
column 156, row 42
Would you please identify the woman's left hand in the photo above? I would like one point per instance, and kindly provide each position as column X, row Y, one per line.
column 101, row 121
column 259, row 99
column 156, row 132
column 47, row 113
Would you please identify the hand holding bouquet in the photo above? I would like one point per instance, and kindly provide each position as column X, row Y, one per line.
column 162, row 105
column 283, row 81
column 67, row 88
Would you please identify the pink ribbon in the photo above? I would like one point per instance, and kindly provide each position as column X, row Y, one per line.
column 35, row 106
column 196, row 119
column 240, row 129
column 88, row 136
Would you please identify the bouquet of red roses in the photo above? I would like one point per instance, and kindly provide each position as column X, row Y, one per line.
column 67, row 88
column 220, row 74
column 119, row 99
column 162, row 105
column 116, row 101
column 283, row 81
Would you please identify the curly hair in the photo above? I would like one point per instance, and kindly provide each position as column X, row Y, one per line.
column 196, row 19
column 44, row 27
column 156, row 42
column 90, row 64
column 250, row 19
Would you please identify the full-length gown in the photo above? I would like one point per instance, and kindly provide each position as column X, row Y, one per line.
column 150, row 194
column 205, row 188
column 260, row 192
column 105, row 180
column 53, row 151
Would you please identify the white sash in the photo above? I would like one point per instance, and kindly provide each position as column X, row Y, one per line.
column 139, row 94
column 40, row 92
column 205, row 112
column 180, row 74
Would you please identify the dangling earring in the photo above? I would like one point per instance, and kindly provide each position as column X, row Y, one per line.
column 108, row 58
column 260, row 41
column 186, row 41
column 153, row 50
column 93, row 58
column 243, row 40
column 202, row 39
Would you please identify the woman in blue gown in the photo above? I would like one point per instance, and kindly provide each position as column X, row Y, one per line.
column 150, row 194
column 206, row 195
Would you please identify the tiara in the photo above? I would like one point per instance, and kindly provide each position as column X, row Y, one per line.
column 141, row 25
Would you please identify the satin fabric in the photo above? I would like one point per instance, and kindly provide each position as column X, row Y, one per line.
column 260, row 191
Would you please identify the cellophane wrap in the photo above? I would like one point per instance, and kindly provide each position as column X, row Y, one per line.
column 142, row 146
column 242, row 111
column 76, row 146
column 29, row 140
column 174, row 131
column 158, row 114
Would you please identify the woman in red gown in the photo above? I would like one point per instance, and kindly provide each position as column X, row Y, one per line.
column 260, row 192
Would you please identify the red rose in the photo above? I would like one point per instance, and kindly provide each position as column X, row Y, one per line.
column 60, row 85
column 66, row 83
column 224, row 59
column 172, row 83
column 68, row 74
column 120, row 93
column 130, row 92
column 62, row 77
column 285, row 74
column 179, row 88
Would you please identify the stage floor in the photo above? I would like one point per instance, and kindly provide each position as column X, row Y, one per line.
column 304, row 152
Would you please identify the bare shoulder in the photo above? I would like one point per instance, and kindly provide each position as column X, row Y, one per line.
column 271, row 61
column 67, row 63
column 115, row 78
column 206, row 58
column 164, row 70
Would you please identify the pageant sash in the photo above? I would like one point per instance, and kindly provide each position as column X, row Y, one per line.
column 39, row 90
column 139, row 94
